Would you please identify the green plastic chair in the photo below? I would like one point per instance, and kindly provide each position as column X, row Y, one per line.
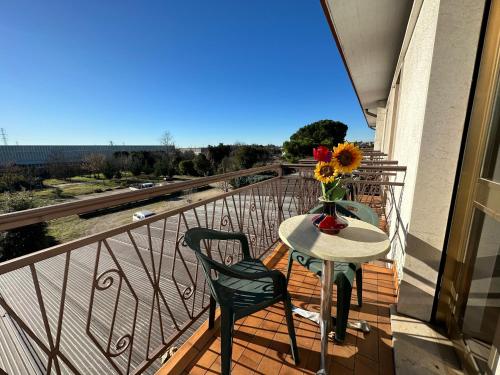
column 241, row 289
column 343, row 273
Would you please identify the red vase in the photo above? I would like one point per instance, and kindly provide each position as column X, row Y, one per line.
column 330, row 222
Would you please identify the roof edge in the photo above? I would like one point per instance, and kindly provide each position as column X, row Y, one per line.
column 326, row 11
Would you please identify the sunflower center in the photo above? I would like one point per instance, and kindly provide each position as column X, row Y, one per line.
column 327, row 171
column 345, row 158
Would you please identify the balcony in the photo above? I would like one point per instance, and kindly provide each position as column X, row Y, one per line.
column 261, row 342
column 116, row 301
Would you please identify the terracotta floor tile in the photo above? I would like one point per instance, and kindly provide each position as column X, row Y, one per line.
column 338, row 369
column 261, row 343
column 365, row 366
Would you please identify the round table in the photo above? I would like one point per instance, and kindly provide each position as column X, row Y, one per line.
column 358, row 243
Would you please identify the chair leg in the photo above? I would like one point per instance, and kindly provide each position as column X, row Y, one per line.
column 211, row 312
column 359, row 286
column 344, row 290
column 289, row 267
column 291, row 329
column 226, row 337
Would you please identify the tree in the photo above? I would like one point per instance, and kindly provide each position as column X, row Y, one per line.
column 163, row 167
column 249, row 155
column 167, row 140
column 122, row 160
column 202, row 165
column 136, row 166
column 328, row 133
column 217, row 153
column 23, row 240
column 142, row 162
column 228, row 164
column 186, row 167
column 168, row 161
column 58, row 167
column 110, row 169
column 94, row 163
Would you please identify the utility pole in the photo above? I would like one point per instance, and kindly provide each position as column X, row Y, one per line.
column 3, row 136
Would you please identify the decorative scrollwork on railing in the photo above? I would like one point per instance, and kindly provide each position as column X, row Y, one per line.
column 105, row 280
column 181, row 241
column 224, row 221
column 121, row 345
column 229, row 260
column 188, row 292
column 253, row 239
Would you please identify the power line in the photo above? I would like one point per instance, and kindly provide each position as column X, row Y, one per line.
column 3, row 136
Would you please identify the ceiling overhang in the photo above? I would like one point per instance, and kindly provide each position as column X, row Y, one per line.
column 369, row 35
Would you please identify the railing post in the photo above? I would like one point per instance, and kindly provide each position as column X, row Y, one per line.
column 280, row 195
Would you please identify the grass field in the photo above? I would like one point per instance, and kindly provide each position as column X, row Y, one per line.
column 72, row 227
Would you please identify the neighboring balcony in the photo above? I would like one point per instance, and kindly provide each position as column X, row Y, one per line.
column 116, row 301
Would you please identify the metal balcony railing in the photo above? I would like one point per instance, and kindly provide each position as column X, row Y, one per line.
column 116, row 300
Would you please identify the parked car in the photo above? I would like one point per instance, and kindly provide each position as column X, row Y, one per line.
column 141, row 215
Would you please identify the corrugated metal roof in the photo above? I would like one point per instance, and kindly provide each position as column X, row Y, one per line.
column 21, row 355
column 15, row 355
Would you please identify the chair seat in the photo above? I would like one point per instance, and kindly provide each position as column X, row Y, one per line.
column 248, row 293
column 347, row 270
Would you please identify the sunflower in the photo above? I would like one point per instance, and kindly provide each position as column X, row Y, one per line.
column 346, row 157
column 325, row 172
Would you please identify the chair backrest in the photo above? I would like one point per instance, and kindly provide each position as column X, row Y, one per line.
column 194, row 238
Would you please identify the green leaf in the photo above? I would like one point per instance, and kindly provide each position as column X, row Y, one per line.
column 335, row 193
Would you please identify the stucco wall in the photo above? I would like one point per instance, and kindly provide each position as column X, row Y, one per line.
column 414, row 81
column 379, row 128
column 433, row 94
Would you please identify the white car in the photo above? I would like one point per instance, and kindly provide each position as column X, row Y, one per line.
column 144, row 185
column 141, row 215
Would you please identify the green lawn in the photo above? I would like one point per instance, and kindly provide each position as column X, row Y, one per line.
column 54, row 182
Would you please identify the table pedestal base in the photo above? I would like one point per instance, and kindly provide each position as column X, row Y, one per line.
column 324, row 317
column 360, row 325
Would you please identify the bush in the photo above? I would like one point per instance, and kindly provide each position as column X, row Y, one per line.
column 14, row 178
column 202, row 165
column 24, row 240
column 239, row 182
column 109, row 170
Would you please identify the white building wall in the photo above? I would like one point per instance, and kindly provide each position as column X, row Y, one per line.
column 414, row 81
column 379, row 128
column 433, row 95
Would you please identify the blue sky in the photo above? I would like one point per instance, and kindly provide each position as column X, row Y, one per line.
column 94, row 71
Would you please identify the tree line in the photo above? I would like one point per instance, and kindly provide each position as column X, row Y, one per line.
column 220, row 158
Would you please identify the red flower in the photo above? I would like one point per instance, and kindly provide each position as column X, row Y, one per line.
column 322, row 153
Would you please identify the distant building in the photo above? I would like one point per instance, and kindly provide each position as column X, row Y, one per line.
column 195, row 150
column 39, row 155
